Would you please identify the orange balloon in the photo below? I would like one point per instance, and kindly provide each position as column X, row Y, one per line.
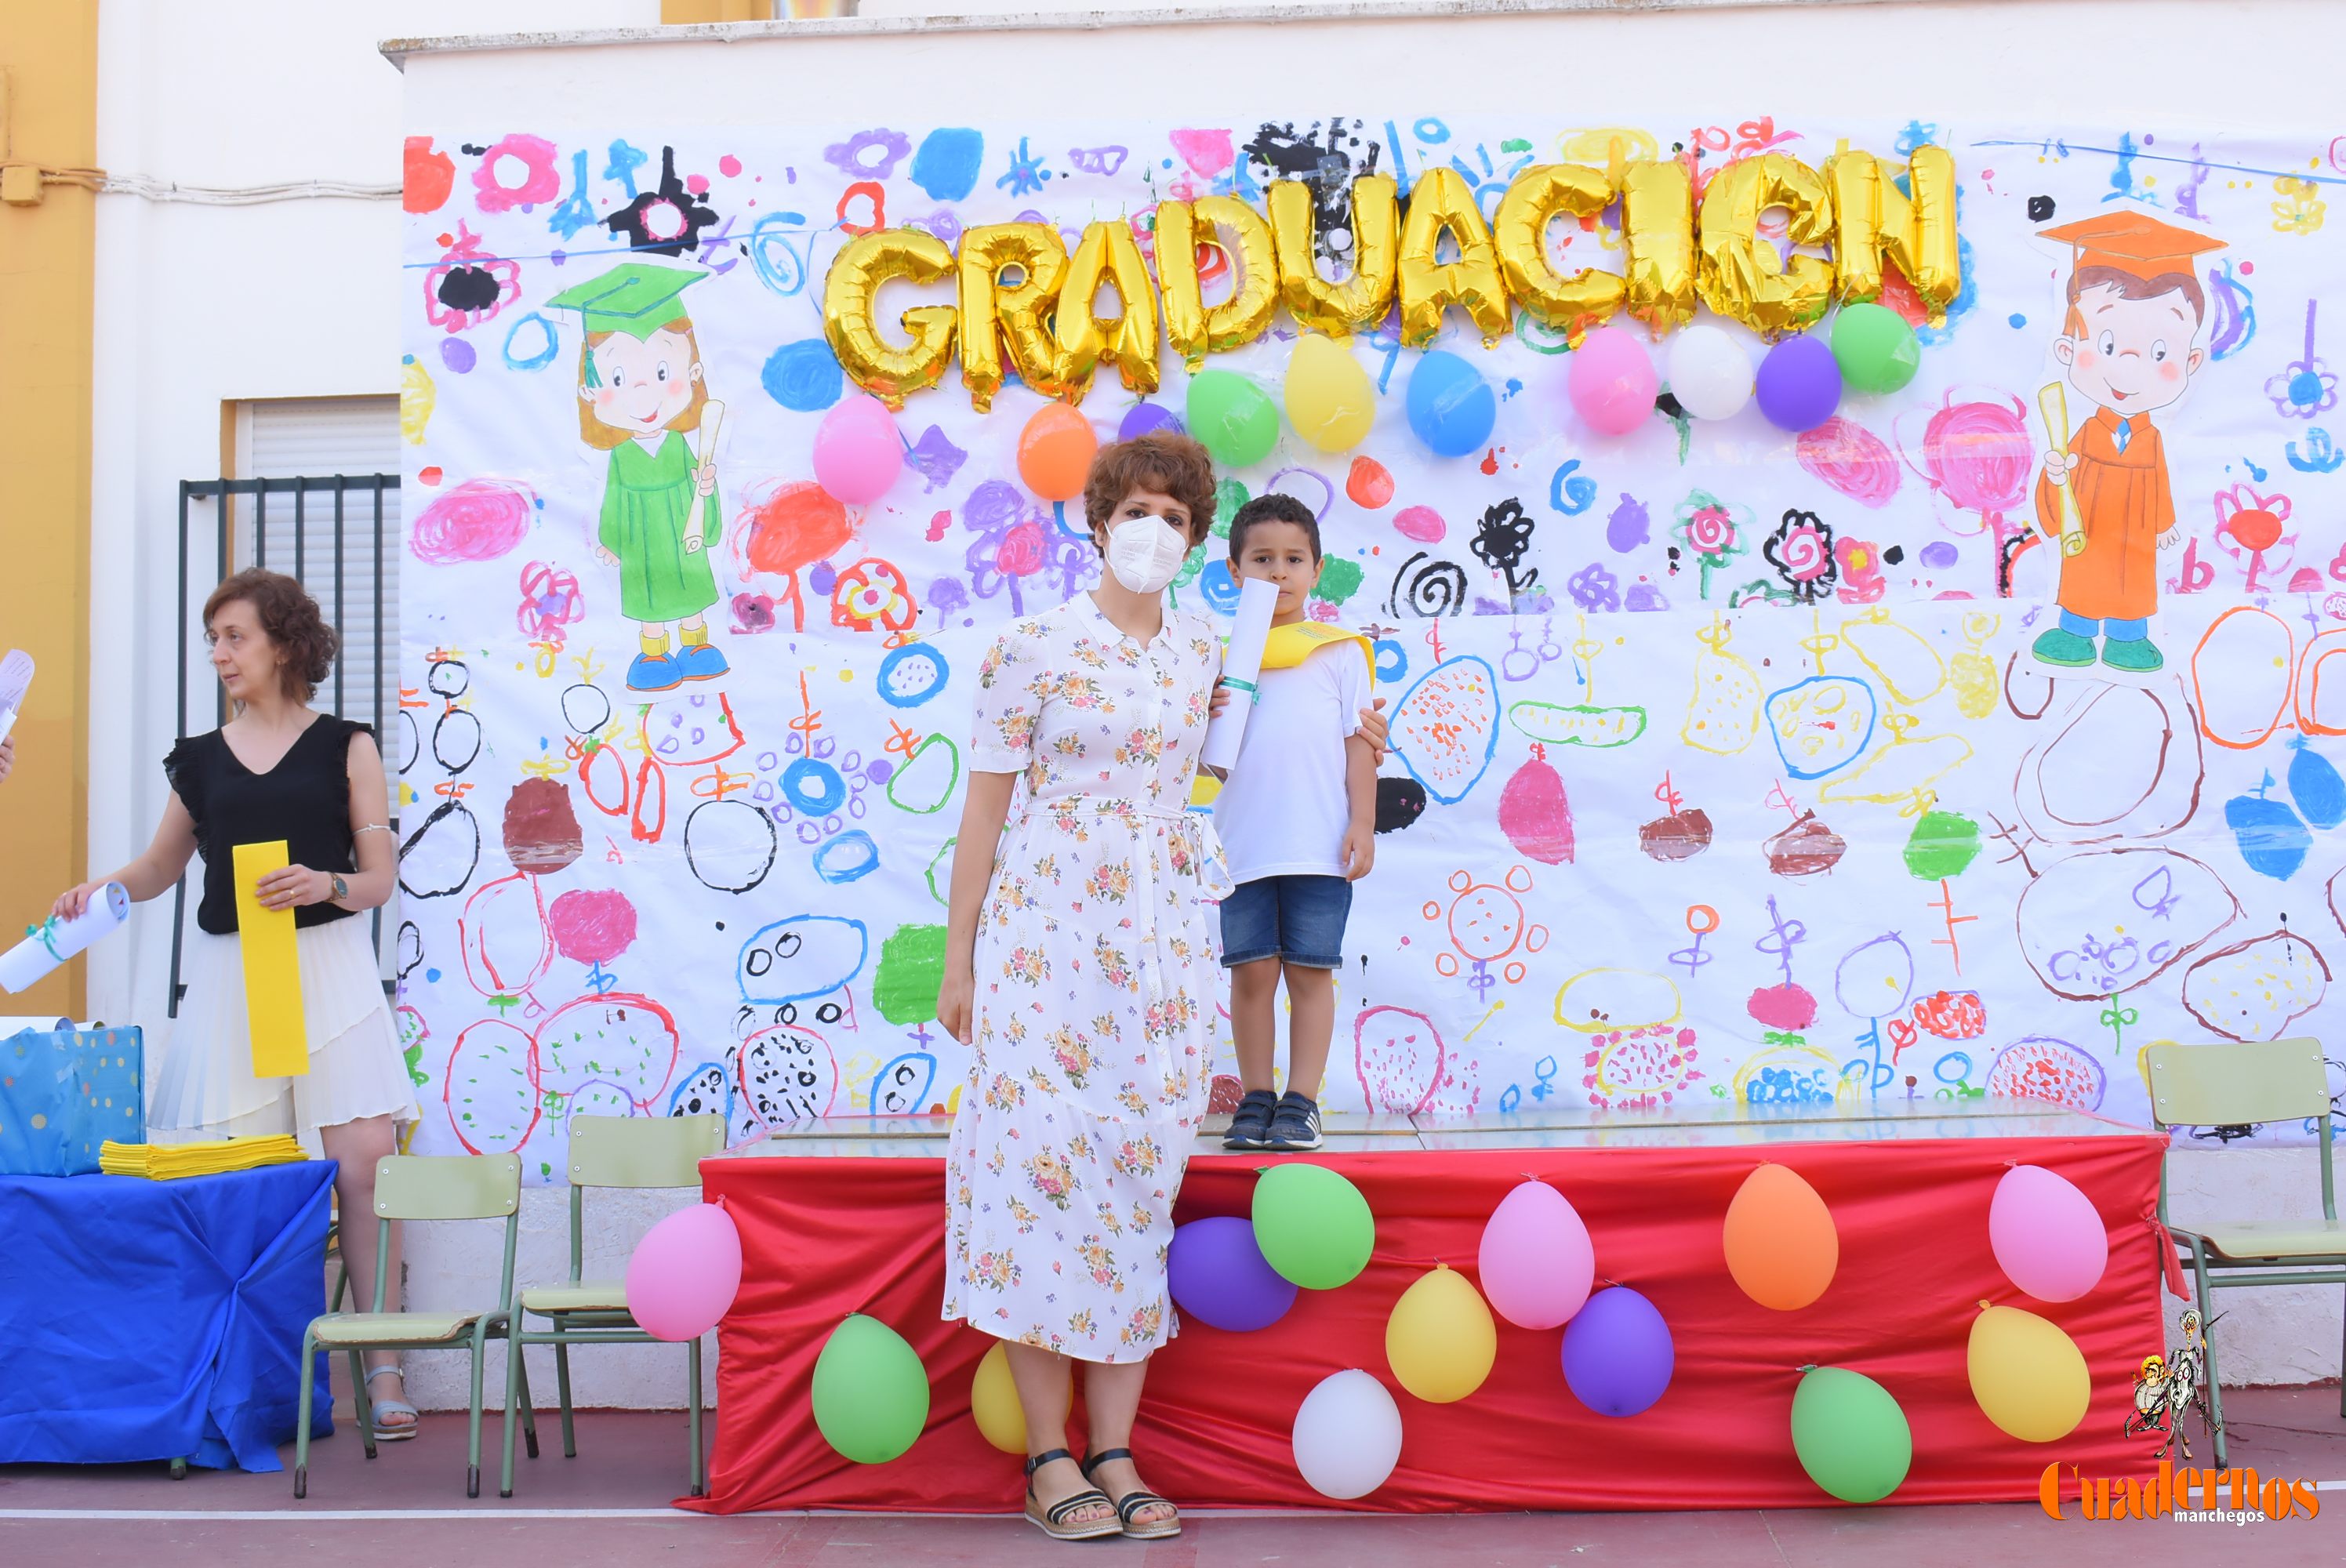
column 1782, row 1246
column 1054, row 452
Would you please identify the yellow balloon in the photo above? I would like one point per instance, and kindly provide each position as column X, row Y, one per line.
column 1238, row 232
column 1127, row 341
column 1439, row 203
column 993, row 1401
column 1874, row 222
column 994, row 316
column 851, row 320
column 2028, row 1375
column 1740, row 275
column 1361, row 301
column 1657, row 243
column 1330, row 400
column 1519, row 233
column 1441, row 1339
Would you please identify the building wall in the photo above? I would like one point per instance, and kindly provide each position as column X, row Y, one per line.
column 49, row 54
column 201, row 304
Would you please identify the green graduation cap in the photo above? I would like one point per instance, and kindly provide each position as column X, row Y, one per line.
column 635, row 297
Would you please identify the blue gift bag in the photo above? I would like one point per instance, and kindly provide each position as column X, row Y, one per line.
column 64, row 1092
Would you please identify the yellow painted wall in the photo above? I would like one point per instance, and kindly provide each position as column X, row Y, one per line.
column 49, row 51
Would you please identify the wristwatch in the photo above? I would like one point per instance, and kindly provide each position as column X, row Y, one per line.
column 342, row 887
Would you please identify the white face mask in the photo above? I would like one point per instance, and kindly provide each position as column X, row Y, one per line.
column 1146, row 553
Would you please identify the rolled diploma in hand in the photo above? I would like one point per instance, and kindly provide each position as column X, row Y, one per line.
column 56, row 941
column 1241, row 668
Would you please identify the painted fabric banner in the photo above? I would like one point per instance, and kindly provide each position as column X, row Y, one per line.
column 1728, row 762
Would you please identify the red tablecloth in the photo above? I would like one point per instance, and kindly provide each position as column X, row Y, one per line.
column 823, row 1237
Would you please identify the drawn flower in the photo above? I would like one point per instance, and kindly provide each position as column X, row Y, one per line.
column 2307, row 387
column 1801, row 551
column 1706, row 526
column 873, row 594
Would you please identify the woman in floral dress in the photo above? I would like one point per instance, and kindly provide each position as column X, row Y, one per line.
column 1081, row 968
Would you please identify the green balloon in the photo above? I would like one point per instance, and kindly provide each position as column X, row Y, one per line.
column 1313, row 1227
column 1849, row 1434
column 1232, row 417
column 1875, row 347
column 871, row 1392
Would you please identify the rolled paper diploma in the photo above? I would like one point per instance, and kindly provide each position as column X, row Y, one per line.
column 54, row 940
column 1241, row 668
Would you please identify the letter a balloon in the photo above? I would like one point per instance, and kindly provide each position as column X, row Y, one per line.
column 1781, row 1247
column 1440, row 1340
column 1536, row 1264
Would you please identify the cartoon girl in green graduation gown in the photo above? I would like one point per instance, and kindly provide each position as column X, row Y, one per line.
column 640, row 388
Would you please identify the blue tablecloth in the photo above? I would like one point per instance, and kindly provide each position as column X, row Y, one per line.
column 160, row 1319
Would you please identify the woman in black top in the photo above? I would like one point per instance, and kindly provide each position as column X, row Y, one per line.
column 279, row 769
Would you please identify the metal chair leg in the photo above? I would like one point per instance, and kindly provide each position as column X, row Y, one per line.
column 562, row 1383
column 309, row 1366
column 692, row 1403
column 361, row 1401
column 513, row 1404
column 2208, row 1344
column 473, row 1420
column 528, row 1403
column 179, row 1469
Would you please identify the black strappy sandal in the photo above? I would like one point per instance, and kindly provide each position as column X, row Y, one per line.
column 1132, row 1503
column 1053, row 1521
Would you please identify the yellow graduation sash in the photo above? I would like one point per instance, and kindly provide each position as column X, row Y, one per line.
column 1286, row 647
column 1289, row 646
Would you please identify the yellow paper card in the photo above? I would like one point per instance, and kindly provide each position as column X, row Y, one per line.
column 272, row 973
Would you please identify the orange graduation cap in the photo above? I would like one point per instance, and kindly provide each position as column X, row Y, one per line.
column 2134, row 243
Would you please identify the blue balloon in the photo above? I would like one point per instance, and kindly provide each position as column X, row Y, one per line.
column 1618, row 1354
column 1219, row 1276
column 1450, row 406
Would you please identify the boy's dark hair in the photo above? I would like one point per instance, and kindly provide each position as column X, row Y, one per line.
column 1273, row 507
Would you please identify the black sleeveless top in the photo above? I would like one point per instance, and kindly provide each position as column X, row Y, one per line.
column 305, row 800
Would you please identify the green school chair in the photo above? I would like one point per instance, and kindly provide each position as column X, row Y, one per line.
column 2220, row 1085
column 636, row 1152
column 412, row 1187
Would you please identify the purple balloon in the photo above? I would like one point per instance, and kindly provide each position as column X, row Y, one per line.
column 1618, row 1354
column 1219, row 1276
column 1145, row 416
column 1799, row 385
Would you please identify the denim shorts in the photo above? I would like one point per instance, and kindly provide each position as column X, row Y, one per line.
column 1297, row 919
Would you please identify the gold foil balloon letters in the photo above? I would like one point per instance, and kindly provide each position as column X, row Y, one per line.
column 1442, row 203
column 1358, row 302
column 1519, row 233
column 851, row 322
column 1741, row 276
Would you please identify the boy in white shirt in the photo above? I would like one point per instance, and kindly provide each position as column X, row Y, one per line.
column 1296, row 818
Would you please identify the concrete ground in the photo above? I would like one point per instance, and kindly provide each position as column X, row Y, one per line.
column 609, row 1507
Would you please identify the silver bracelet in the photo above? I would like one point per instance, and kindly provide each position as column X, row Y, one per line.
column 372, row 828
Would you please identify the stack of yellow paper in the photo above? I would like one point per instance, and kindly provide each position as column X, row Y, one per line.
column 168, row 1162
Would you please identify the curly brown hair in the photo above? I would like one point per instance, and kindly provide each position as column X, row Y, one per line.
column 292, row 620
column 1161, row 461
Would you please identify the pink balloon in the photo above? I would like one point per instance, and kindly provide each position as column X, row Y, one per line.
column 857, row 452
column 684, row 1273
column 2046, row 1235
column 1613, row 382
column 1536, row 1264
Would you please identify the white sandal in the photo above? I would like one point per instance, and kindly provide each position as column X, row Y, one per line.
column 381, row 1407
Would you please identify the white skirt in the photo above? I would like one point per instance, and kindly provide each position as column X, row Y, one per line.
column 205, row 1086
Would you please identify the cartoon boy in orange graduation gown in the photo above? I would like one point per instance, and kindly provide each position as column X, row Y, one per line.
column 2135, row 305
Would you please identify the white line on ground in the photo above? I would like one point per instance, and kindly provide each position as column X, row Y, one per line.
column 337, row 1515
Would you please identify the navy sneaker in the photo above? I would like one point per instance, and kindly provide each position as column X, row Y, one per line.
column 1295, row 1124
column 1250, row 1123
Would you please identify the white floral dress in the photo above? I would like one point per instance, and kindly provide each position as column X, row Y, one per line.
column 1096, row 974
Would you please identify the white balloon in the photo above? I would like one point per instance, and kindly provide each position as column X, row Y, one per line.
column 1347, row 1436
column 1710, row 373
